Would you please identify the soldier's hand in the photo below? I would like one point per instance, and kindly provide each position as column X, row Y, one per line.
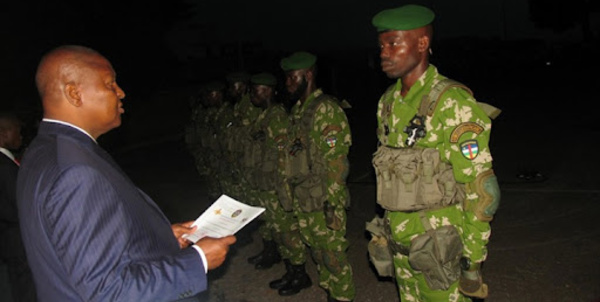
column 471, row 283
column 331, row 219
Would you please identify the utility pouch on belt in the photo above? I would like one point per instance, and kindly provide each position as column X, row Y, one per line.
column 251, row 160
column 311, row 193
column 379, row 250
column 413, row 179
column 284, row 194
column 265, row 173
column 437, row 253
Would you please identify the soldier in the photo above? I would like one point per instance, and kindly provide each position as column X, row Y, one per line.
column 316, row 170
column 433, row 166
column 244, row 113
column 211, row 134
column 269, row 138
column 193, row 130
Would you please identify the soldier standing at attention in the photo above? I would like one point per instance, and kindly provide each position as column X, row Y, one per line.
column 269, row 137
column 238, row 93
column 320, row 140
column 433, row 166
column 211, row 135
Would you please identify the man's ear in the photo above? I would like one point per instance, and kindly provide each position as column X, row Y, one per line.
column 72, row 94
column 424, row 43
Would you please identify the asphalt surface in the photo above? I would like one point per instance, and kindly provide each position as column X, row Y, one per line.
column 544, row 244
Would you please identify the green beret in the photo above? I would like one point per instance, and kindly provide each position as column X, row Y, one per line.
column 298, row 60
column 264, row 78
column 213, row 86
column 405, row 17
column 235, row 77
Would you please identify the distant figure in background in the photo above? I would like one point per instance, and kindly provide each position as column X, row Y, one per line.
column 433, row 167
column 318, row 147
column 11, row 249
column 89, row 232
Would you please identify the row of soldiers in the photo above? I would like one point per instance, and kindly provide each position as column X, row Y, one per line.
column 291, row 161
column 433, row 168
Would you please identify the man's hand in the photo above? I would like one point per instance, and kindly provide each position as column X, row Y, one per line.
column 179, row 229
column 215, row 249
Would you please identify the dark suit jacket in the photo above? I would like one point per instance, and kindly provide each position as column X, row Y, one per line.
column 90, row 233
column 10, row 237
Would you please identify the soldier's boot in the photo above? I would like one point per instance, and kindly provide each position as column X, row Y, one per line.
column 270, row 256
column 287, row 277
column 268, row 247
column 332, row 299
column 299, row 281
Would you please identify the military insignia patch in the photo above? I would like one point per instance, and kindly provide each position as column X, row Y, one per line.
column 464, row 128
column 470, row 149
column 331, row 141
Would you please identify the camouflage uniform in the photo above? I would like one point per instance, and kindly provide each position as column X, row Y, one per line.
column 211, row 149
column 330, row 134
column 280, row 225
column 245, row 114
column 454, row 112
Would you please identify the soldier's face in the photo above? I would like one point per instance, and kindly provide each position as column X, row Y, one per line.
column 399, row 52
column 296, row 84
column 261, row 94
column 214, row 98
column 237, row 89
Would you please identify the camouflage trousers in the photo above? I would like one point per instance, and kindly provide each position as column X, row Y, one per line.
column 282, row 227
column 406, row 226
column 328, row 249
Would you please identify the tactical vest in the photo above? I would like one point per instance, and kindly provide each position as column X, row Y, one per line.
column 414, row 179
column 306, row 169
column 262, row 159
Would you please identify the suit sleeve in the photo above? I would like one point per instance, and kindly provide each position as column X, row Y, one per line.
column 99, row 243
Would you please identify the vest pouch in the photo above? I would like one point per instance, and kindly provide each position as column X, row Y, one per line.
column 437, row 254
column 311, row 193
column 386, row 178
column 250, row 161
column 431, row 188
column 284, row 194
column 266, row 172
column 378, row 248
column 296, row 166
column 406, row 168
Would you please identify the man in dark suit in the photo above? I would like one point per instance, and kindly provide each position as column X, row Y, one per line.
column 89, row 232
column 12, row 251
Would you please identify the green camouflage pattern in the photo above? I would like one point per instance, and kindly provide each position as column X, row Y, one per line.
column 279, row 225
column 331, row 135
column 446, row 130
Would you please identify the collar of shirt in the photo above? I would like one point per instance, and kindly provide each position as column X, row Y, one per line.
column 70, row 125
column 7, row 153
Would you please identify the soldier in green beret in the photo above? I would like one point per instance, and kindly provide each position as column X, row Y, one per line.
column 211, row 132
column 433, row 166
column 316, row 171
column 243, row 113
column 269, row 137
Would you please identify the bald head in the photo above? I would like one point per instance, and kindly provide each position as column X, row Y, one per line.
column 61, row 65
column 78, row 85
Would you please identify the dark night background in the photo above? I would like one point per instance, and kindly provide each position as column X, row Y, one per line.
column 537, row 60
column 158, row 46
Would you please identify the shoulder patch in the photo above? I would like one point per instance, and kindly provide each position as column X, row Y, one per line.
column 331, row 128
column 470, row 149
column 464, row 128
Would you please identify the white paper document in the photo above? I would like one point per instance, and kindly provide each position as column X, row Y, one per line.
column 224, row 217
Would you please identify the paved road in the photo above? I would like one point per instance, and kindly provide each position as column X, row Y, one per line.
column 544, row 246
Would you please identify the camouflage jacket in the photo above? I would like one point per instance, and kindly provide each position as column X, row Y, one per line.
column 331, row 135
column 458, row 128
